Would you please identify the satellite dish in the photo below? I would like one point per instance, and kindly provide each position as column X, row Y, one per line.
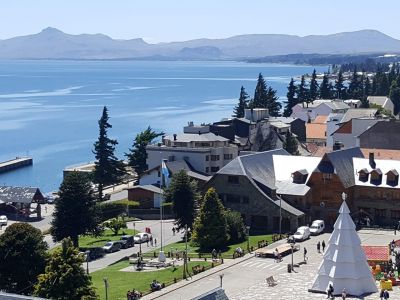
column 322, row 204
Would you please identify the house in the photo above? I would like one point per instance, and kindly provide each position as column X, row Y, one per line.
column 308, row 112
column 247, row 185
column 353, row 103
column 359, row 113
column 148, row 196
column 332, row 124
column 316, row 131
column 206, row 153
column 383, row 102
column 21, row 199
column 382, row 135
column 346, row 135
column 297, row 126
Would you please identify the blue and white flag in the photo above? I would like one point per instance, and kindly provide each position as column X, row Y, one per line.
column 165, row 173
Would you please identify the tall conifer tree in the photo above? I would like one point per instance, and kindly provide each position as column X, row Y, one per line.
column 313, row 93
column 302, row 91
column 339, row 86
column 325, row 91
column 238, row 111
column 291, row 99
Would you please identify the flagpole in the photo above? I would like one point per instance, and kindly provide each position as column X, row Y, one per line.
column 161, row 256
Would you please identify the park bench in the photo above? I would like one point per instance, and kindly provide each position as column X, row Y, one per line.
column 197, row 269
column 271, row 281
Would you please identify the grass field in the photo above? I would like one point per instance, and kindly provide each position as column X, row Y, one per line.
column 87, row 241
column 120, row 282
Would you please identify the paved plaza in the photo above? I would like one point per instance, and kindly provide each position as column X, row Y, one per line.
column 245, row 279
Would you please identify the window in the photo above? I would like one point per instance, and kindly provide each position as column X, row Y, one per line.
column 380, row 213
column 214, row 169
column 207, row 169
column 233, row 179
column 214, row 157
column 232, row 198
column 326, row 176
column 363, row 175
column 207, row 157
column 245, row 200
column 395, row 214
column 228, row 156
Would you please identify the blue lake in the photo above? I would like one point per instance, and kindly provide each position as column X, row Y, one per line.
column 49, row 109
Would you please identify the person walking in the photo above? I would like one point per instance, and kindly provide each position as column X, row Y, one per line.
column 173, row 230
column 323, row 246
column 344, row 294
column 381, row 294
column 305, row 254
column 155, row 242
column 386, row 295
column 319, row 247
column 330, row 291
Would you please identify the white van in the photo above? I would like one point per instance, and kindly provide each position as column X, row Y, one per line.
column 302, row 233
column 317, row 227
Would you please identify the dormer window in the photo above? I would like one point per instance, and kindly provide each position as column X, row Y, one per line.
column 376, row 176
column 300, row 176
column 363, row 175
column 392, row 178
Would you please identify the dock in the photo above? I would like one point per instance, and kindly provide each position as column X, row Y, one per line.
column 15, row 163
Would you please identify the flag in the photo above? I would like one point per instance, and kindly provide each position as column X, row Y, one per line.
column 165, row 172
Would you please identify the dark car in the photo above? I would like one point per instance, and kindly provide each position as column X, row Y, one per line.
column 112, row 246
column 127, row 241
column 95, row 253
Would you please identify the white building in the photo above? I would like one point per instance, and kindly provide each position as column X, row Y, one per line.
column 348, row 132
column 206, row 153
column 382, row 101
column 321, row 107
column 332, row 124
column 353, row 103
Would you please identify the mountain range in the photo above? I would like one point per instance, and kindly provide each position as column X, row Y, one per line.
column 52, row 43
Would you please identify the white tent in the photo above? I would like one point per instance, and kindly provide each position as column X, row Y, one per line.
column 344, row 263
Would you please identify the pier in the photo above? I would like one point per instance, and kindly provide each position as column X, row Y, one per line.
column 16, row 163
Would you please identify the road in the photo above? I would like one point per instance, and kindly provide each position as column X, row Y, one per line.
column 155, row 227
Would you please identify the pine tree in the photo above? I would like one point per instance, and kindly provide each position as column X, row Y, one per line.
column 302, row 92
column 313, row 93
column 355, row 90
column 291, row 99
column 325, row 91
column 137, row 155
column 75, row 211
column 366, row 92
column 339, row 86
column 183, row 194
column 108, row 169
column 265, row 97
column 394, row 95
column 210, row 228
column 65, row 278
column 238, row 111
column 290, row 144
column 274, row 107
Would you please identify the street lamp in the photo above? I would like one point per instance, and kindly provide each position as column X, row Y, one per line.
column 292, row 243
column 248, row 238
column 105, row 279
column 220, row 278
column 87, row 252
column 134, row 232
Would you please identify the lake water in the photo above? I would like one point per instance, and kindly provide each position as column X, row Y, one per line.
column 49, row 109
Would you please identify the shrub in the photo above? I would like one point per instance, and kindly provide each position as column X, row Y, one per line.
column 236, row 227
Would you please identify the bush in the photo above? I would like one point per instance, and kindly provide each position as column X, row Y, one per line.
column 236, row 227
column 110, row 210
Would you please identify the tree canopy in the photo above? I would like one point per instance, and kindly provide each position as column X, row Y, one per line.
column 290, row 144
column 108, row 169
column 265, row 97
column 183, row 194
column 64, row 277
column 75, row 211
column 291, row 99
column 238, row 110
column 137, row 154
column 303, row 91
column 313, row 92
column 325, row 89
column 23, row 256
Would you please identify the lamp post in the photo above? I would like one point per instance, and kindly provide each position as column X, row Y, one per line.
column 134, row 232
column 87, row 252
column 220, row 278
column 105, row 279
column 292, row 243
column 248, row 238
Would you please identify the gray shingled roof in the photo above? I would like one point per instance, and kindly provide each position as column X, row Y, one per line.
column 148, row 187
column 286, row 120
column 337, row 104
column 215, row 294
column 176, row 166
column 195, row 137
column 378, row 100
column 18, row 194
column 358, row 113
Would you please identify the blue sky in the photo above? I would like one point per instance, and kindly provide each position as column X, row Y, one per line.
column 174, row 20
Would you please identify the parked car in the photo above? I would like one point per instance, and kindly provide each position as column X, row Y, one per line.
column 3, row 220
column 127, row 241
column 95, row 253
column 302, row 233
column 142, row 237
column 317, row 227
column 112, row 246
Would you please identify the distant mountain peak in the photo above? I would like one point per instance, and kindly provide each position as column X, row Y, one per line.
column 51, row 30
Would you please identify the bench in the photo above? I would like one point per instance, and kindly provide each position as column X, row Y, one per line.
column 197, row 269
column 271, row 281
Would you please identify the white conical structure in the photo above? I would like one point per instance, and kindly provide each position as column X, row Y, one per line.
column 344, row 263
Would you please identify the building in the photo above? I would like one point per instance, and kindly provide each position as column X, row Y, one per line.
column 247, row 184
column 206, row 153
column 148, row 196
column 20, row 199
column 308, row 112
column 359, row 113
column 383, row 102
column 297, row 126
column 332, row 124
column 316, row 131
column 353, row 103
column 382, row 135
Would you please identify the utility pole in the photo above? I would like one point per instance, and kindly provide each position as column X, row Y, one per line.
column 186, row 252
column 106, row 286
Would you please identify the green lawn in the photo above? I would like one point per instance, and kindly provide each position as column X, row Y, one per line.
column 87, row 241
column 227, row 253
column 120, row 282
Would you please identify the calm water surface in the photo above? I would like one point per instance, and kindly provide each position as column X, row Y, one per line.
column 49, row 109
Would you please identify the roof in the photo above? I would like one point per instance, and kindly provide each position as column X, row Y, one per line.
column 18, row 194
column 341, row 164
column 279, row 124
column 382, row 167
column 316, row 131
column 286, row 120
column 195, row 137
column 176, row 166
column 337, row 104
column 359, row 113
column 378, row 100
column 352, row 101
column 215, row 294
column 320, row 119
column 377, row 253
column 147, row 187
column 382, row 153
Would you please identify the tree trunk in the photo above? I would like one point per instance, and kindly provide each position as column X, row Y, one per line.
column 75, row 241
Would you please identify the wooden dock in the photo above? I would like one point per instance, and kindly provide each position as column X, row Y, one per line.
column 16, row 163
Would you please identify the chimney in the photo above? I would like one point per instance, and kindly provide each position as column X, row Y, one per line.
column 174, row 136
column 199, row 132
column 372, row 160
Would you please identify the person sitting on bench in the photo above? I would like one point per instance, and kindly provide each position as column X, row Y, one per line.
column 155, row 285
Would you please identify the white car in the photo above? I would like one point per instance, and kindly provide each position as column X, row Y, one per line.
column 3, row 221
column 302, row 233
column 142, row 237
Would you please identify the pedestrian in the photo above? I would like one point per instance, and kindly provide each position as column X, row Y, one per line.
column 45, row 208
column 319, row 247
column 173, row 230
column 386, row 295
column 330, row 291
column 147, row 242
column 305, row 254
column 323, row 246
column 155, row 242
column 344, row 294
column 381, row 294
